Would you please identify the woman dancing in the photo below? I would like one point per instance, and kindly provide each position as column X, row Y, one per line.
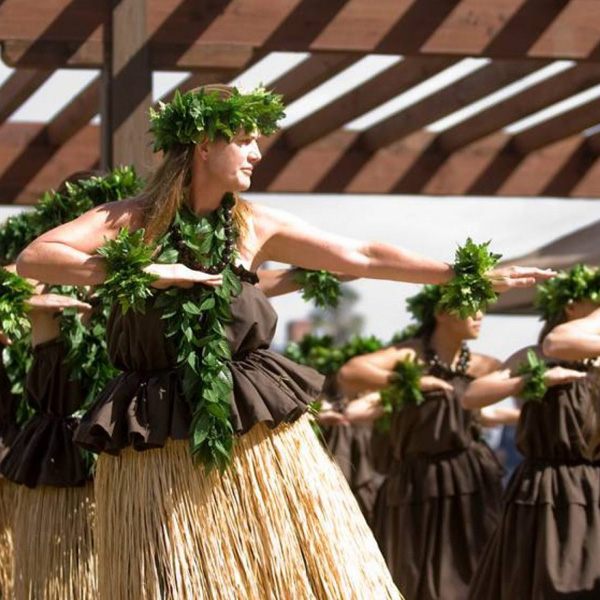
column 268, row 516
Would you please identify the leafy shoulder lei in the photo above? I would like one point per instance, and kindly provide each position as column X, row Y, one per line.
column 195, row 318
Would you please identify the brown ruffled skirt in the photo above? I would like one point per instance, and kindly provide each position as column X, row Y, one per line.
column 547, row 545
column 279, row 523
column 53, row 544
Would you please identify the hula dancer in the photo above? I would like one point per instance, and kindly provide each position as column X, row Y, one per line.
column 210, row 482
column 548, row 539
column 54, row 554
column 440, row 499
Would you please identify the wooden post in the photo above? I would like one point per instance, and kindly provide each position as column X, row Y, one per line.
column 127, row 89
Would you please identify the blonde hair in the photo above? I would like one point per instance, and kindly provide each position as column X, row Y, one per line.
column 168, row 186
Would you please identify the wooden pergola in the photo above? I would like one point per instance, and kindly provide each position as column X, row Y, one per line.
column 217, row 40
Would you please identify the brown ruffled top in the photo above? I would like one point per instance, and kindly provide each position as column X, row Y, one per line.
column 433, row 450
column 44, row 453
column 552, row 436
column 144, row 406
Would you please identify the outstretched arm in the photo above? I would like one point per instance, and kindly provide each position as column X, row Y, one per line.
column 575, row 340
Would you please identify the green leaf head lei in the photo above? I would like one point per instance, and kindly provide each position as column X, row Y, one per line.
column 214, row 111
column 582, row 282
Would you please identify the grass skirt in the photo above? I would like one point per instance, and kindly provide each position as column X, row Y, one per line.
column 279, row 523
column 53, row 544
column 7, row 500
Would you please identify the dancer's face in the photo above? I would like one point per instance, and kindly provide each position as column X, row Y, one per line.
column 466, row 329
column 231, row 164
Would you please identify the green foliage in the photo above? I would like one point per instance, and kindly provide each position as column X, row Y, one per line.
column 127, row 282
column 320, row 352
column 580, row 283
column 320, row 286
column 470, row 290
column 55, row 208
column 192, row 116
column 404, row 390
column 18, row 359
column 534, row 371
column 14, row 293
column 87, row 352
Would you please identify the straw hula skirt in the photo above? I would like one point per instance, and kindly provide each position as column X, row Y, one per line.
column 279, row 523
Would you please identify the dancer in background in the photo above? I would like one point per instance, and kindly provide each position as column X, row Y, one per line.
column 54, row 554
column 210, row 482
column 548, row 539
column 441, row 497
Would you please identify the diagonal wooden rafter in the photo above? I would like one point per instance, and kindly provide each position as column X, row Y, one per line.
column 393, row 81
column 469, row 89
column 21, row 84
column 546, row 93
column 570, row 123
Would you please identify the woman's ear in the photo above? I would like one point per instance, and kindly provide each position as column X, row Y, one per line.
column 202, row 149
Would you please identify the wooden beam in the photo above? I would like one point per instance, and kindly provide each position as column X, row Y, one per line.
column 548, row 29
column 128, row 93
column 405, row 167
column 546, row 93
column 469, row 89
column 19, row 87
column 562, row 126
column 383, row 87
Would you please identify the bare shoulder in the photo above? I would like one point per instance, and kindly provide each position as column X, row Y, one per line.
column 482, row 364
column 90, row 230
column 268, row 220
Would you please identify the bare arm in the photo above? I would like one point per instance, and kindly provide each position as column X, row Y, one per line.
column 575, row 340
column 493, row 416
column 285, row 238
column 277, row 282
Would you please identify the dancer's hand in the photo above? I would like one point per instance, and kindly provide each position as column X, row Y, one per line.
column 507, row 278
column 55, row 303
column 179, row 275
column 429, row 383
column 561, row 375
column 332, row 418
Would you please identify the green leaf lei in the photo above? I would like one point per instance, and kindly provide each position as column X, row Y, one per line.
column 56, row 208
column 14, row 293
column 321, row 286
column 195, row 320
column 534, row 371
column 190, row 117
column 470, row 290
column 579, row 283
column 404, row 390
column 320, row 352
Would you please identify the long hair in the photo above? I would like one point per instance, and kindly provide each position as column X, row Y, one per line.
column 168, row 186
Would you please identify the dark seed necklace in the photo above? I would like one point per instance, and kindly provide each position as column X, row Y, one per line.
column 435, row 362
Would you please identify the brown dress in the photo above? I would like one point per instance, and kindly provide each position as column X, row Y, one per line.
column 54, row 556
column 547, row 546
column 350, row 447
column 9, row 404
column 278, row 523
column 441, row 499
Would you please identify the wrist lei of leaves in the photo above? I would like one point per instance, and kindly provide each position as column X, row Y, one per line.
column 321, row 286
column 404, row 390
column 195, row 318
column 533, row 370
column 470, row 290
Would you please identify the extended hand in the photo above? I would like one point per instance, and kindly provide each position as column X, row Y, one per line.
column 180, row 276
column 429, row 383
column 55, row 303
column 332, row 418
column 561, row 375
column 507, row 278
